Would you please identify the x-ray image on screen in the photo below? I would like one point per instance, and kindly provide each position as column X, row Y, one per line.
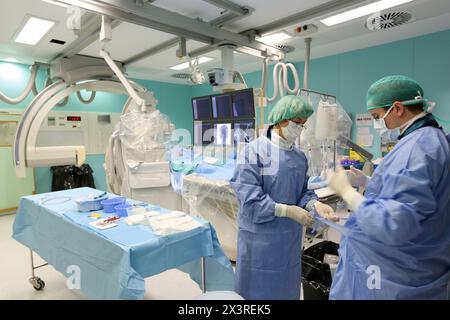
column 203, row 133
column 223, row 133
column 221, row 106
column 244, row 130
column 243, row 104
column 201, row 108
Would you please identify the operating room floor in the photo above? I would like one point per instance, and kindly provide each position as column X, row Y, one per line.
column 15, row 272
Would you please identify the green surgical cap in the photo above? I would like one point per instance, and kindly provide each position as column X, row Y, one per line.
column 388, row 90
column 290, row 107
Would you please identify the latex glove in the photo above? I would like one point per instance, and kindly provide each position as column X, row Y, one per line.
column 357, row 177
column 295, row 213
column 338, row 181
column 326, row 211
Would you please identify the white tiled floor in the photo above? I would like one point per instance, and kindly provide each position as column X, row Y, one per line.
column 15, row 272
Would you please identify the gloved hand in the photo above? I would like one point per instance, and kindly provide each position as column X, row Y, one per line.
column 295, row 213
column 338, row 181
column 357, row 177
column 326, row 211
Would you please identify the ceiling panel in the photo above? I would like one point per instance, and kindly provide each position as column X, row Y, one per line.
column 268, row 11
column 129, row 39
column 13, row 15
column 191, row 8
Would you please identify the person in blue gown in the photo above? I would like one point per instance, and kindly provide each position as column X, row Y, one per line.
column 399, row 244
column 270, row 181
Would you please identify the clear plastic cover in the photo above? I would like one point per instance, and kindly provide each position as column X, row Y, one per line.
column 216, row 202
column 321, row 140
column 145, row 137
column 136, row 157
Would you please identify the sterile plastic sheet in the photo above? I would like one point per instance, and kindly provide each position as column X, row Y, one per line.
column 136, row 152
column 216, row 202
column 322, row 129
column 145, row 137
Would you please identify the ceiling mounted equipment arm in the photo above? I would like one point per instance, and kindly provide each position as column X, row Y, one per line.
column 218, row 22
column 163, row 20
column 105, row 37
column 88, row 34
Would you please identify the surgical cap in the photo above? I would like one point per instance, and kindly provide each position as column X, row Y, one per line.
column 290, row 107
column 388, row 90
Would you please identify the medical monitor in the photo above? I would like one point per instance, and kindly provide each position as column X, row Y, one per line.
column 201, row 108
column 243, row 104
column 203, row 133
column 221, row 106
column 223, row 133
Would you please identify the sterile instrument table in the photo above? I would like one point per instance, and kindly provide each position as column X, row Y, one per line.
column 113, row 263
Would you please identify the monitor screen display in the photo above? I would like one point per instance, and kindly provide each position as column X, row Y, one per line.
column 244, row 130
column 243, row 104
column 221, row 106
column 223, row 133
column 203, row 133
column 201, row 108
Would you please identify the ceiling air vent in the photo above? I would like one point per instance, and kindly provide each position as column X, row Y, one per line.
column 285, row 48
column 58, row 41
column 181, row 75
column 388, row 20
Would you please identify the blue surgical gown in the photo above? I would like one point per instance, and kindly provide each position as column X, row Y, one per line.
column 268, row 262
column 399, row 245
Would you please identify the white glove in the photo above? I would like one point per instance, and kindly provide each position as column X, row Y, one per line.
column 295, row 213
column 339, row 183
column 325, row 211
column 357, row 177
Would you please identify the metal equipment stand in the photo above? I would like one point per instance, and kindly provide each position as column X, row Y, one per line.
column 36, row 282
column 39, row 284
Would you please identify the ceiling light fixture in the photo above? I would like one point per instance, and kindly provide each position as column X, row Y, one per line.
column 362, row 11
column 274, row 37
column 185, row 65
column 13, row 60
column 34, row 30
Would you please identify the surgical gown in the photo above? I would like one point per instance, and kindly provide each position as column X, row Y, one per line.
column 399, row 245
column 269, row 247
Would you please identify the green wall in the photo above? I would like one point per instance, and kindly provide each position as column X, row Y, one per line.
column 349, row 75
column 173, row 100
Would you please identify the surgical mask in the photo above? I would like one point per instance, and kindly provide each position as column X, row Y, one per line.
column 392, row 134
column 380, row 124
column 292, row 131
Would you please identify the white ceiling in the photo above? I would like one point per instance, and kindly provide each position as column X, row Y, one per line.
column 129, row 40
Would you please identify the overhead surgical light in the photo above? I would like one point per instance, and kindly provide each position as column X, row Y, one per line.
column 274, row 37
column 185, row 65
column 362, row 11
column 34, row 30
